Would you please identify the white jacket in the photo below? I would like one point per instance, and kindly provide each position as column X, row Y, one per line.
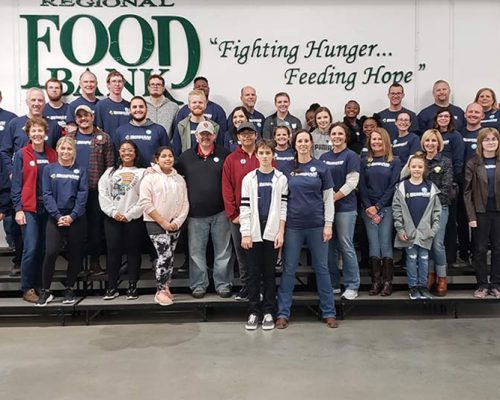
column 249, row 209
column 120, row 192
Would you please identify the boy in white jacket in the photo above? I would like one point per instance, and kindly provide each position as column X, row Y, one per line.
column 262, row 219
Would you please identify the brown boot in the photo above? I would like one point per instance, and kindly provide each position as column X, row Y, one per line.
column 431, row 280
column 388, row 275
column 376, row 272
column 442, row 286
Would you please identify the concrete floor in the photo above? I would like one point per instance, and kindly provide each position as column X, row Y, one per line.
column 387, row 359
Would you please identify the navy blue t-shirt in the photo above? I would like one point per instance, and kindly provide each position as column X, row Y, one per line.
column 426, row 116
column 470, row 143
column 491, row 119
column 454, row 149
column 148, row 139
column 285, row 160
column 109, row 115
column 264, row 191
column 417, row 199
column 56, row 114
column 405, row 146
column 378, row 180
column 80, row 101
column 340, row 164
column 491, row 167
column 388, row 121
column 5, row 117
column 306, row 184
column 41, row 162
column 83, row 143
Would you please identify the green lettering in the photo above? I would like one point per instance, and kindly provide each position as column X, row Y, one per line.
column 101, row 42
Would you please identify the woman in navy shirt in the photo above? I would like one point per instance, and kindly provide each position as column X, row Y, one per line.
column 343, row 164
column 309, row 220
column 378, row 178
column 284, row 155
column 65, row 192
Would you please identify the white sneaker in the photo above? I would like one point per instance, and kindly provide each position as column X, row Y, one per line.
column 268, row 322
column 350, row 294
column 252, row 323
column 336, row 291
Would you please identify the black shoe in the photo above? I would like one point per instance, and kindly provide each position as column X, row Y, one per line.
column 111, row 294
column 242, row 294
column 199, row 292
column 44, row 298
column 69, row 296
column 132, row 293
column 95, row 269
column 414, row 293
column 424, row 293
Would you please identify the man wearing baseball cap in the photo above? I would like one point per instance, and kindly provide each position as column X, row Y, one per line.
column 201, row 167
column 94, row 152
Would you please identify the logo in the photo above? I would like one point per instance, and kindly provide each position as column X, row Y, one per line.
column 474, row 146
column 99, row 137
column 312, row 169
column 76, row 171
column 216, row 159
column 243, row 161
column 424, row 189
column 148, row 131
column 32, row 163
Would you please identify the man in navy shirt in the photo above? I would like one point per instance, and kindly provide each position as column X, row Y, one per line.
column 88, row 87
column 248, row 99
column 113, row 111
column 55, row 109
column 441, row 92
column 147, row 135
column 212, row 112
column 388, row 116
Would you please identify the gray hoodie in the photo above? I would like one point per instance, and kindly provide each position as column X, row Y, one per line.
column 424, row 233
column 164, row 114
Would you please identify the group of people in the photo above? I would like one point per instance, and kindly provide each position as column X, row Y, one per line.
column 130, row 174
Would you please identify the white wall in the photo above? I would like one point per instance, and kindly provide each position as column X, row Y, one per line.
column 456, row 40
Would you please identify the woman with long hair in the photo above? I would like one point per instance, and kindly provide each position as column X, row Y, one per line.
column 123, row 225
column 239, row 115
column 379, row 175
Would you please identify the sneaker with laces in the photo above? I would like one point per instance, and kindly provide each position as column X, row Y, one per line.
column 163, row 299
column 45, row 298
column 481, row 293
column 268, row 322
column 69, row 296
column 132, row 293
column 414, row 293
column 111, row 294
column 30, row 296
column 424, row 293
column 350, row 294
column 242, row 294
column 224, row 292
column 198, row 292
column 495, row 292
column 252, row 323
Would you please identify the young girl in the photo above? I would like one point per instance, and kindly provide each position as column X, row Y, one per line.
column 262, row 225
column 163, row 196
column 416, row 212
column 65, row 192
column 123, row 224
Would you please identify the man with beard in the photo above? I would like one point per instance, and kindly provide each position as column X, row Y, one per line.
column 213, row 111
column 147, row 135
column 112, row 111
column 441, row 92
column 184, row 134
column 55, row 109
column 94, row 154
column 88, row 87
column 160, row 109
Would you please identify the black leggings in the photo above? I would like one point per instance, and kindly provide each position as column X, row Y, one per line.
column 74, row 235
column 122, row 238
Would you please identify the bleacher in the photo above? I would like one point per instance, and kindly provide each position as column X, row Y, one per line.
column 90, row 289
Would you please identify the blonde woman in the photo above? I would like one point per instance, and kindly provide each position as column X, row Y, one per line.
column 65, row 192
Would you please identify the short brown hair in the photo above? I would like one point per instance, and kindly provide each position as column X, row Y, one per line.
column 36, row 121
column 482, row 135
column 265, row 143
column 114, row 73
column 53, row 80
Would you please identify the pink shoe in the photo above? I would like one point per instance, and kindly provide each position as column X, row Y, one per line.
column 169, row 294
column 163, row 299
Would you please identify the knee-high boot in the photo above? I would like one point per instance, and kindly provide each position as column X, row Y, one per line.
column 376, row 272
column 388, row 275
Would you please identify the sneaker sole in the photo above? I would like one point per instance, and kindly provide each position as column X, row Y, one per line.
column 163, row 304
column 132, row 297
column 241, row 298
column 111, row 297
column 268, row 328
column 251, row 328
column 49, row 299
column 69, row 301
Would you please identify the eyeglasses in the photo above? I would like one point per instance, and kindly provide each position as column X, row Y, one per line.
column 156, row 84
column 491, row 139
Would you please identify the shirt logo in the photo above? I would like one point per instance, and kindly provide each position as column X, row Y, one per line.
column 243, row 161
column 32, row 163
column 312, row 169
column 216, row 159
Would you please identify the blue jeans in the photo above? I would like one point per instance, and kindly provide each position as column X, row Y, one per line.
column 438, row 251
column 218, row 226
column 33, row 250
column 380, row 236
column 294, row 239
column 342, row 244
column 417, row 265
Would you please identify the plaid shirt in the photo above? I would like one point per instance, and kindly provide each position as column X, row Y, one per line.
column 101, row 156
